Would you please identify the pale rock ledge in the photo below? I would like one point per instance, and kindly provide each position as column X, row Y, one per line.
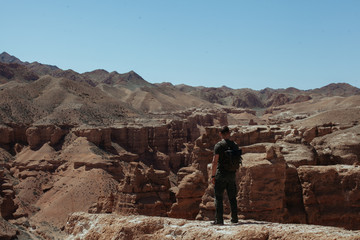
column 111, row 226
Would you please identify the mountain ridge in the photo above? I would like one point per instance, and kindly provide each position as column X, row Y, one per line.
column 136, row 94
column 7, row 58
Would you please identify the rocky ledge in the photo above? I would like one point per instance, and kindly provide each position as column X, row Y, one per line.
column 112, row 226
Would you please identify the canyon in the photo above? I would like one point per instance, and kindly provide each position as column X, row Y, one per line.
column 104, row 155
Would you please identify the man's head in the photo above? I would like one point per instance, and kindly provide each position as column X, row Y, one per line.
column 225, row 132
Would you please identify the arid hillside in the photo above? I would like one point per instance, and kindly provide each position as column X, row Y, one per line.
column 125, row 94
column 128, row 93
column 248, row 98
column 102, row 155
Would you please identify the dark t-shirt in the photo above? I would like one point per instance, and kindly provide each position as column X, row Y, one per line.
column 220, row 148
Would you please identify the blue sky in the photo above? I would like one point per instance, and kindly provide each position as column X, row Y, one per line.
column 241, row 44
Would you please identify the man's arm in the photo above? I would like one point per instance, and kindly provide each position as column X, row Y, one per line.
column 214, row 166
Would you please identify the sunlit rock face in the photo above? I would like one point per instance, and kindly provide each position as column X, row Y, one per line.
column 95, row 170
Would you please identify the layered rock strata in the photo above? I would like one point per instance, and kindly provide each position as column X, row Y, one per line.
column 287, row 181
column 50, row 172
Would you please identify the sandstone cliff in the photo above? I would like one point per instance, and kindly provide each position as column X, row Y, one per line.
column 283, row 178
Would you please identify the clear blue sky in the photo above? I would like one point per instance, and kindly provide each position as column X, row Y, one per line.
column 241, row 44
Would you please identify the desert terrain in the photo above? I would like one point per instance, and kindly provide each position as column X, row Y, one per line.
column 108, row 155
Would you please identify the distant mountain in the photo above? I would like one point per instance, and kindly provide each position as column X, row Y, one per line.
column 248, row 98
column 130, row 80
column 38, row 68
column 130, row 93
column 336, row 89
column 28, row 94
column 51, row 100
column 7, row 58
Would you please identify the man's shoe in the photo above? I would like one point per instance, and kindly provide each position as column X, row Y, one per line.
column 234, row 220
column 217, row 223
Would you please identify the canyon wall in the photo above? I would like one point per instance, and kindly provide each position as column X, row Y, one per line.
column 288, row 175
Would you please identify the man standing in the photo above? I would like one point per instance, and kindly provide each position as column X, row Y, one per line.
column 224, row 179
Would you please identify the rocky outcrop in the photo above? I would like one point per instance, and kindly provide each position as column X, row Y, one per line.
column 339, row 147
column 142, row 190
column 308, row 134
column 7, row 196
column 7, row 192
column 188, row 194
column 297, row 154
column 34, row 136
column 99, row 136
column 249, row 135
column 203, row 150
column 262, row 192
column 331, row 195
column 8, row 205
column 109, row 226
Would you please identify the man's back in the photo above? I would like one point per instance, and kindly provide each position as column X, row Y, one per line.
column 229, row 156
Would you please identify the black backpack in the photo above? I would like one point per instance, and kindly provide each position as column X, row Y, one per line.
column 232, row 156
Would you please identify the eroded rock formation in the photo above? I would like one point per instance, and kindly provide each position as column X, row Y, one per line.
column 166, row 173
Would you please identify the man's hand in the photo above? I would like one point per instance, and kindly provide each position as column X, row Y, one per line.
column 213, row 167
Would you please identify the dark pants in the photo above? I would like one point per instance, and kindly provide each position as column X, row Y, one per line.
column 222, row 182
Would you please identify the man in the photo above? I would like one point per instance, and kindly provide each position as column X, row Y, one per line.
column 223, row 179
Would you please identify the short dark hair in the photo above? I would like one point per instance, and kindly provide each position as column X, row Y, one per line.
column 225, row 130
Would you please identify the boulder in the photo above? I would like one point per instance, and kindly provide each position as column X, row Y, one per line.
column 132, row 139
